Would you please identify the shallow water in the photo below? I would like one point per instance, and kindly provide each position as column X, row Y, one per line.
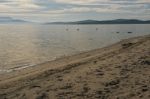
column 29, row 44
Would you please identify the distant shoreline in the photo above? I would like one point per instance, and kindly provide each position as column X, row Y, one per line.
column 8, row 20
column 117, row 21
column 91, row 23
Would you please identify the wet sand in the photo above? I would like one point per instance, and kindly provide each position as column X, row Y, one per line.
column 119, row 71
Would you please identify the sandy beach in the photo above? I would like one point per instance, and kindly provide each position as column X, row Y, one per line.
column 119, row 71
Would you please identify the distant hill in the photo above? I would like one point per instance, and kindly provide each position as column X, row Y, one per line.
column 11, row 20
column 117, row 21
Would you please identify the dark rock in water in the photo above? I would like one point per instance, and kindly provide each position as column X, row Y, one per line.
column 117, row 32
column 129, row 32
column 126, row 45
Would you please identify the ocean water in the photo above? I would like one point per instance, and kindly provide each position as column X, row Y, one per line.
column 25, row 45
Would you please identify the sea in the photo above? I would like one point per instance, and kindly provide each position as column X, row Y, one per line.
column 25, row 45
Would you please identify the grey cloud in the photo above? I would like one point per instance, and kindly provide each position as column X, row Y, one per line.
column 43, row 7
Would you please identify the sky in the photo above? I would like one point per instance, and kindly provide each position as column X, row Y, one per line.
column 73, row 10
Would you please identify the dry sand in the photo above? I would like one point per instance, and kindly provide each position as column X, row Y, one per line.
column 120, row 71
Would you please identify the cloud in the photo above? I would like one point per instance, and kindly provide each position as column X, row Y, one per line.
column 77, row 1
column 62, row 8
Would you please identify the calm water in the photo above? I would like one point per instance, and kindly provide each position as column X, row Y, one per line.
column 28, row 45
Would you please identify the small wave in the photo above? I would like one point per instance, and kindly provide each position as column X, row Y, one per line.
column 14, row 69
column 23, row 66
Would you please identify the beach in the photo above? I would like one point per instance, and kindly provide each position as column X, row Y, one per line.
column 119, row 71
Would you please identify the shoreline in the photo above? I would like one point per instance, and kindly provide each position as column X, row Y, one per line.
column 18, row 68
column 27, row 68
column 83, row 71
